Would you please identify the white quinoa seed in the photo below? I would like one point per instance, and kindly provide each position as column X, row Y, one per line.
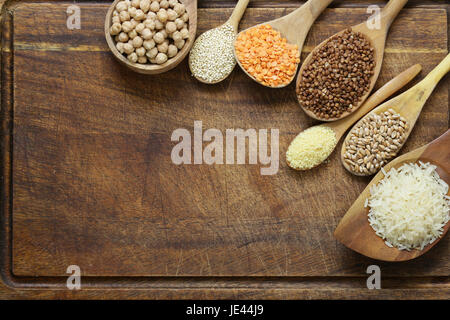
column 212, row 57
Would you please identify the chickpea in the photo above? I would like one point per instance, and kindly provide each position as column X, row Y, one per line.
column 177, row 36
column 115, row 29
column 140, row 15
column 179, row 8
column 116, row 19
column 124, row 16
column 132, row 11
column 154, row 6
column 127, row 26
column 164, row 33
column 152, row 53
column 128, row 48
column 140, row 27
column 163, row 47
column 185, row 17
column 162, row 15
column 137, row 42
column 150, row 24
column 149, row 44
column 116, row 38
column 115, row 13
column 140, row 51
column 179, row 23
column 172, row 3
column 147, row 34
column 133, row 57
column 123, row 37
column 171, row 27
column 151, row 16
column 119, row 46
column 135, row 3
column 132, row 34
column 145, row 5
column 179, row 44
column 184, row 33
column 172, row 51
column 121, row 6
column 158, row 37
column 159, row 25
column 161, row 58
column 172, row 15
column 134, row 23
column 164, row 4
column 153, row 61
column 142, row 60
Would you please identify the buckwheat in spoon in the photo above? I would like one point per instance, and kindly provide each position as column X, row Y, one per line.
column 211, row 59
column 269, row 53
column 339, row 74
column 379, row 136
column 314, row 145
column 404, row 211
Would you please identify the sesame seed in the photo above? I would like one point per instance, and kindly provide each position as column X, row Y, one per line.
column 212, row 57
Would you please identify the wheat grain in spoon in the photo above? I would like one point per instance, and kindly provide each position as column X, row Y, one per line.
column 409, row 105
column 340, row 127
column 377, row 38
column 211, row 59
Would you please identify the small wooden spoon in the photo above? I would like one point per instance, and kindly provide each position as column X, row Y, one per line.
column 191, row 9
column 294, row 27
column 354, row 230
column 409, row 104
column 377, row 38
column 234, row 20
column 340, row 127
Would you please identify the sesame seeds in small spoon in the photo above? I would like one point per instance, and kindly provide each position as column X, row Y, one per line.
column 211, row 59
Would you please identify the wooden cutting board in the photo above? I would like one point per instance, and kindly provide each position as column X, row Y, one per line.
column 88, row 178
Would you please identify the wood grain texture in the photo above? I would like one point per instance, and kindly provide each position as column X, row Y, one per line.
column 88, row 178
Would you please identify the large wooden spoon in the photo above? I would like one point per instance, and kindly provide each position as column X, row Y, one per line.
column 294, row 27
column 340, row 127
column 409, row 105
column 377, row 38
column 234, row 20
column 354, row 230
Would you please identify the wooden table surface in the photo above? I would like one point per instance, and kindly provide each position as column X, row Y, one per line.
column 87, row 177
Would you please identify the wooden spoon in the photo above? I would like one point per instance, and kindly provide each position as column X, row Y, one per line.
column 234, row 20
column 409, row 104
column 340, row 127
column 377, row 38
column 191, row 9
column 294, row 27
column 354, row 230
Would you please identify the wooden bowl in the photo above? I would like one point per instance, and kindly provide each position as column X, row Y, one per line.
column 191, row 9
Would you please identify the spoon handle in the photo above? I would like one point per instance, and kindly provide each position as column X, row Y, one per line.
column 317, row 6
column 237, row 14
column 438, row 72
column 395, row 84
column 391, row 10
